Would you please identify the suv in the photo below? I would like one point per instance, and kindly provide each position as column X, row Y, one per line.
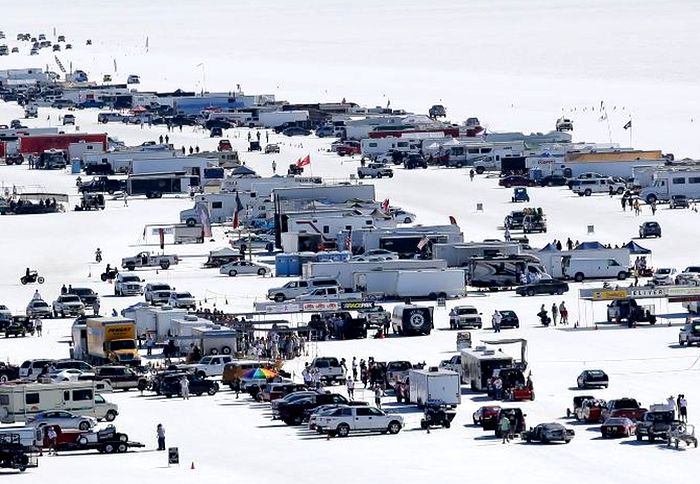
column 690, row 333
column 664, row 276
column 68, row 119
column 534, row 223
column 689, row 276
column 121, row 377
column 127, row 285
column 296, row 288
column 517, row 420
column 329, row 370
column 407, row 319
column 656, row 423
column 397, row 371
column 588, row 186
column 678, row 201
column 375, row 170
column 170, row 385
column 376, row 316
column 592, row 379
column 157, row 292
column 68, row 304
column 293, row 412
column 87, row 296
column 344, row 419
column 649, row 229
column 182, row 299
column 465, row 317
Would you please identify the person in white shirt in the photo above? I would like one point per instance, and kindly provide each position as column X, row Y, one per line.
column 351, row 388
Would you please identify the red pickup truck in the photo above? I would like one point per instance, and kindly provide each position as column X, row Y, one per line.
column 623, row 407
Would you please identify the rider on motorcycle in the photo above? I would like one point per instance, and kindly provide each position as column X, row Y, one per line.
column 98, row 255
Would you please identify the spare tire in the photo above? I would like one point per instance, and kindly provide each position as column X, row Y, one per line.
column 416, row 320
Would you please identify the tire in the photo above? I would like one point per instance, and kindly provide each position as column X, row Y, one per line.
column 191, row 222
column 578, row 277
column 622, row 275
column 262, row 272
column 620, row 190
column 84, row 425
column 83, row 440
column 587, row 192
column 40, row 280
column 479, row 170
column 530, row 292
column 130, row 267
column 297, row 420
column 279, row 298
column 121, row 448
column 165, row 265
column 394, row 427
column 226, row 350
column 679, row 342
column 23, row 280
column 110, row 416
column 4, row 378
column 108, row 448
column 343, row 430
column 212, row 390
column 214, row 351
column 560, row 291
column 651, row 199
column 233, row 273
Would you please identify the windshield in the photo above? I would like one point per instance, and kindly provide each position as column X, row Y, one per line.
column 160, row 287
column 663, row 271
column 71, row 299
column 131, row 279
column 183, row 295
column 467, row 311
column 82, row 292
column 122, row 344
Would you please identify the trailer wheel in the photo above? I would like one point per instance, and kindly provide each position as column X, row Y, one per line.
column 122, row 448
column 226, row 350
column 578, row 277
column 214, row 351
column 83, row 440
column 108, row 448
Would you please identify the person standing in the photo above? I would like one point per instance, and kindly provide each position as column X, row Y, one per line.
column 149, row 345
column 38, row 326
column 506, row 235
column 274, row 167
column 683, row 408
column 564, row 313
column 555, row 312
column 354, row 368
column 51, row 436
column 653, row 208
column 471, row 175
column 185, row 388
column 377, row 396
column 671, row 403
column 351, row 388
column 160, row 433
column 504, row 425
column 496, row 321
column 569, row 244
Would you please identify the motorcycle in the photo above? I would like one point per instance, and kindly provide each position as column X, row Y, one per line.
column 98, row 256
column 31, row 278
column 109, row 275
column 544, row 318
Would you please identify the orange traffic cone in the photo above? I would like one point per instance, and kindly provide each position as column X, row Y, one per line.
column 192, row 466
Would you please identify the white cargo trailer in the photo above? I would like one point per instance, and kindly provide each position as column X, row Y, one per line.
column 434, row 384
column 442, row 283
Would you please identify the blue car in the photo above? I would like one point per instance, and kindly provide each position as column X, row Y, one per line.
column 520, row 195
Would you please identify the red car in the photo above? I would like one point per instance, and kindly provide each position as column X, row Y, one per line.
column 516, row 181
column 486, row 416
column 225, row 145
column 618, row 427
column 623, row 407
column 349, row 148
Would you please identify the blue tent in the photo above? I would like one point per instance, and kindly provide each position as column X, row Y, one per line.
column 551, row 247
column 589, row 245
column 635, row 248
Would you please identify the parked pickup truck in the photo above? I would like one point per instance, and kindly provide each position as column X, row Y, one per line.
column 157, row 293
column 329, row 370
column 375, row 170
column 127, row 285
column 146, row 259
column 623, row 407
column 690, row 333
column 211, row 365
column 102, row 184
column 656, row 423
column 628, row 310
column 332, row 293
column 346, row 419
column 68, row 305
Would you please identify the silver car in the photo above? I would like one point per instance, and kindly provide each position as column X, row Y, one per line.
column 38, row 308
column 242, row 267
column 63, row 419
column 182, row 300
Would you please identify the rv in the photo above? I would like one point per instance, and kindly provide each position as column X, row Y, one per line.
column 188, row 164
column 483, row 156
column 504, row 272
column 668, row 183
column 433, row 284
column 478, row 364
column 344, row 272
column 18, row 401
column 374, row 147
column 405, row 239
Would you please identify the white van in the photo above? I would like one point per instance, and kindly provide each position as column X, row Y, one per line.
column 580, row 269
column 588, row 186
column 24, row 399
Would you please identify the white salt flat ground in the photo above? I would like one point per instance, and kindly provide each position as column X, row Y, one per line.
column 302, row 53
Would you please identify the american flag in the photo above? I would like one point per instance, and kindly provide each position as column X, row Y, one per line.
column 236, row 216
column 385, row 205
column 423, row 242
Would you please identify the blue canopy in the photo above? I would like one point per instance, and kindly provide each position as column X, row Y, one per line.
column 549, row 247
column 635, row 248
column 589, row 245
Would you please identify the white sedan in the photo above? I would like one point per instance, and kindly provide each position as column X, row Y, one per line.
column 182, row 300
column 71, row 374
column 377, row 255
column 242, row 267
column 63, row 419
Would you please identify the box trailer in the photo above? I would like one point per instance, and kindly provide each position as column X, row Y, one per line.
column 214, row 341
column 41, row 143
column 343, row 271
column 442, row 283
column 22, row 400
column 461, row 254
column 155, row 185
column 434, row 384
column 184, row 234
column 187, row 164
column 154, row 320
column 81, row 149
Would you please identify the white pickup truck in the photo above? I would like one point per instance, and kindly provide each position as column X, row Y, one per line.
column 346, row 419
column 332, row 293
column 211, row 365
column 328, row 369
column 146, row 259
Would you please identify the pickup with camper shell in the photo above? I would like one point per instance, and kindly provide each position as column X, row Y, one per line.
column 294, row 289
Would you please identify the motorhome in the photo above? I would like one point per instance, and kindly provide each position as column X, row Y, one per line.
column 121, row 160
column 18, row 401
column 405, row 238
column 344, row 272
column 668, row 183
column 374, row 147
column 483, row 156
column 221, row 207
column 504, row 272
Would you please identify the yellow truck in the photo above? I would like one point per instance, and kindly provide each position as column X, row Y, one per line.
column 112, row 340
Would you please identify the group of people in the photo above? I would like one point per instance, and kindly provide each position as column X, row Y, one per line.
column 559, row 312
column 679, row 405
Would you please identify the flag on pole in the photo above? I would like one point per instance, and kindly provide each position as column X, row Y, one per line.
column 423, row 242
column 203, row 213
column 236, row 216
column 304, row 161
column 628, row 125
column 453, row 221
column 385, row 205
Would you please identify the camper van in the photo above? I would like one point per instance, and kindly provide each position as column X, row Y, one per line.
column 669, row 183
column 19, row 401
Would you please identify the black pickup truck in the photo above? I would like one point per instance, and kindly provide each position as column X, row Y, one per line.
column 655, row 424
column 101, row 184
column 293, row 413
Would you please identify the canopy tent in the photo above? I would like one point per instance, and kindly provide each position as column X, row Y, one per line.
column 589, row 246
column 551, row 247
column 242, row 171
column 635, row 248
column 218, row 258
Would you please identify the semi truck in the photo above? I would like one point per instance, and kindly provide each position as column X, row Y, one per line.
column 112, row 340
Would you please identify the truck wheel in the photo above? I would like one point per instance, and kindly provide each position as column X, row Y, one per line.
column 108, row 448
column 530, row 292
column 233, row 273
column 651, row 199
column 122, row 447
column 110, row 416
column 578, row 277
column 343, row 430
column 211, row 390
column 130, row 267
column 279, row 298
column 164, row 265
column 587, row 192
column 394, row 427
